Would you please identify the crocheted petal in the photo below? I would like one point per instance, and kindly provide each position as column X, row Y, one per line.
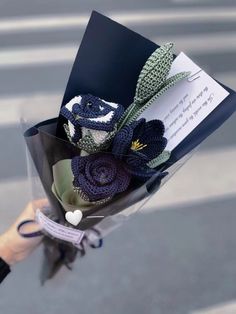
column 101, row 177
column 68, row 115
column 67, row 110
column 78, row 164
column 139, row 127
column 101, row 171
column 75, row 132
column 95, row 192
column 118, row 112
column 77, row 136
column 122, row 141
column 123, row 179
column 76, row 100
column 71, row 129
column 94, row 113
column 155, row 127
column 154, row 148
column 90, row 107
column 136, row 159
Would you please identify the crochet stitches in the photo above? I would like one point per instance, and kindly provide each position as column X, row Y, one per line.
column 137, row 147
column 139, row 143
column 92, row 122
column 152, row 82
column 99, row 177
column 159, row 160
column 154, row 72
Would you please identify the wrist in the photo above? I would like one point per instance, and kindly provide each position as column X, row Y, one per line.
column 6, row 253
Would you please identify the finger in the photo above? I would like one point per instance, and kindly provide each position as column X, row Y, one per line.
column 29, row 211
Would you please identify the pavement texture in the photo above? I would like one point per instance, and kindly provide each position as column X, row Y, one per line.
column 178, row 256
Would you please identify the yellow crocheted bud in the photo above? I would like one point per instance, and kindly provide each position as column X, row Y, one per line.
column 136, row 145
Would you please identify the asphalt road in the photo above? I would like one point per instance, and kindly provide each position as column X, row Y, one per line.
column 180, row 260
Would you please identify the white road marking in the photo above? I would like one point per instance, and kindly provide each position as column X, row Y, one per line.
column 23, row 107
column 226, row 308
column 27, row 56
column 170, row 16
column 57, row 54
column 202, row 43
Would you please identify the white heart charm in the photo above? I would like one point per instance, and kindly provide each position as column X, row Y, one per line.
column 74, row 217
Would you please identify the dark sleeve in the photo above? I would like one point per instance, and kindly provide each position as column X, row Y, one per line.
column 4, row 269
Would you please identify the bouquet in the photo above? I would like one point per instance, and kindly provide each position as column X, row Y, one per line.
column 131, row 115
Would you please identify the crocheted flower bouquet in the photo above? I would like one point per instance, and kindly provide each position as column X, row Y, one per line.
column 99, row 161
column 118, row 152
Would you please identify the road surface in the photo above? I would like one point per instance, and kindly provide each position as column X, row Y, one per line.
column 179, row 255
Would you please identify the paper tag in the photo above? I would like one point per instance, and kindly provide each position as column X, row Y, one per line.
column 187, row 104
column 58, row 231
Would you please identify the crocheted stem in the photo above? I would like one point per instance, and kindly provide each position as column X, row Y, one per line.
column 128, row 112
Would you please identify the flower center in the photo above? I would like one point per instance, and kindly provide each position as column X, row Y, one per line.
column 102, row 171
column 136, row 145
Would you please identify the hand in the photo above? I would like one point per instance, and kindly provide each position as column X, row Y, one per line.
column 13, row 247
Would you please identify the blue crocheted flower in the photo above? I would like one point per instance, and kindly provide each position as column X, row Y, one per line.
column 138, row 143
column 91, row 121
column 99, row 177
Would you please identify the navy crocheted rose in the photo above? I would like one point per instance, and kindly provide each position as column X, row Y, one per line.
column 138, row 143
column 99, row 177
column 91, row 121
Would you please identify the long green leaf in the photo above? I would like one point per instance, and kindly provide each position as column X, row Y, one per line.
column 170, row 82
column 154, row 72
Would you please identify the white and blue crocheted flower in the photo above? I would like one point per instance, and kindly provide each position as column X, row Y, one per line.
column 91, row 121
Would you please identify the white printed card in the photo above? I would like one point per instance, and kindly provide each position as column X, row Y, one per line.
column 187, row 104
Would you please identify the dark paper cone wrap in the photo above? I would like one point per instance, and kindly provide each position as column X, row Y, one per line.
column 107, row 65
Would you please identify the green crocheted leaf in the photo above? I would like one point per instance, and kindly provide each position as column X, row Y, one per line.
column 154, row 72
column 173, row 80
column 170, row 82
column 163, row 157
column 151, row 78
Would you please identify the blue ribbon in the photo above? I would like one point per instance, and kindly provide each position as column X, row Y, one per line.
column 31, row 234
column 39, row 233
